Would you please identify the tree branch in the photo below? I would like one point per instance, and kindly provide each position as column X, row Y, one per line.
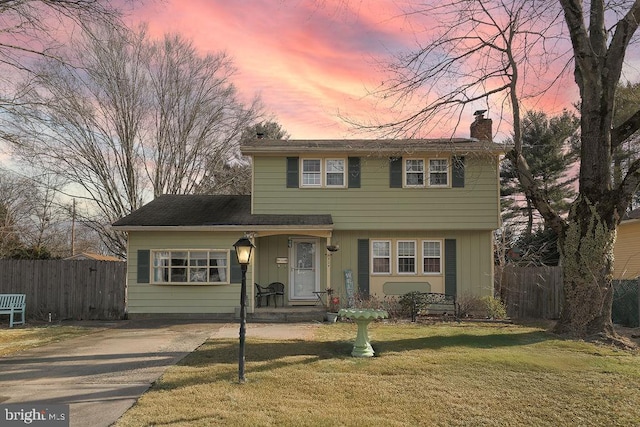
column 620, row 133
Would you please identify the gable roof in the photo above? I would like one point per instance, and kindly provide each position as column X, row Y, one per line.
column 634, row 214
column 92, row 256
column 372, row 146
column 201, row 210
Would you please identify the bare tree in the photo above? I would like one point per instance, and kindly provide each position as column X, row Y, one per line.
column 36, row 28
column 198, row 119
column 501, row 53
column 134, row 118
column 33, row 221
column 234, row 176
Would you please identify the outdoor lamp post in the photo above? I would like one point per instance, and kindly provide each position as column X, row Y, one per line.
column 243, row 248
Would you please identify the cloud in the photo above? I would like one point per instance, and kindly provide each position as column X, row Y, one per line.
column 306, row 59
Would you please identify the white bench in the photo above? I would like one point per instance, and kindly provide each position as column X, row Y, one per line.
column 12, row 304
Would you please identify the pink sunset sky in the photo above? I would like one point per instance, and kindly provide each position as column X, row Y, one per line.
column 308, row 60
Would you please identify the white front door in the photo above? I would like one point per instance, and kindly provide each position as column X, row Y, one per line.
column 305, row 275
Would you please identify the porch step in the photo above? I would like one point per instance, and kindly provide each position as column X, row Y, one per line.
column 287, row 314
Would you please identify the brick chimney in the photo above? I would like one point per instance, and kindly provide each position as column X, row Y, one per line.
column 482, row 128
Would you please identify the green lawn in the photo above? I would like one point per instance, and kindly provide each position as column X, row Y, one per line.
column 445, row 374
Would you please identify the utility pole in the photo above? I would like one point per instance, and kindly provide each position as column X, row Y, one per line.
column 73, row 228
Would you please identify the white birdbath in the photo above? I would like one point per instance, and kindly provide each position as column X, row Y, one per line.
column 362, row 317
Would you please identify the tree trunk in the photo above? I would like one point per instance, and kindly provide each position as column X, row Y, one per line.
column 586, row 252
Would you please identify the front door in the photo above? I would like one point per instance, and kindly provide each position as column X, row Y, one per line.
column 305, row 274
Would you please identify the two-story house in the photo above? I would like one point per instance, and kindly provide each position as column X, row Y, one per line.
column 400, row 215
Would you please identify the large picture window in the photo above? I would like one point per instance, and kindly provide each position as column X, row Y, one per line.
column 406, row 256
column 381, row 256
column 431, row 257
column 191, row 266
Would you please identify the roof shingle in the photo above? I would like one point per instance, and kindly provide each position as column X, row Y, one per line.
column 209, row 210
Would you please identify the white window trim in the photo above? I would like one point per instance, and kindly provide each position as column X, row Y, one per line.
column 302, row 184
column 428, row 175
column 390, row 257
column 152, row 277
column 415, row 258
column 404, row 172
column 326, row 172
column 430, row 273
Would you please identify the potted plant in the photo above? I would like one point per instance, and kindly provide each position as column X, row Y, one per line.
column 334, row 306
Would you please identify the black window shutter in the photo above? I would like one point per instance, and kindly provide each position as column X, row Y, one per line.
column 354, row 172
column 143, row 265
column 292, row 172
column 457, row 176
column 363, row 267
column 450, row 280
column 235, row 274
column 395, row 172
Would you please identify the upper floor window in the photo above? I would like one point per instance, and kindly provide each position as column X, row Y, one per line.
column 406, row 256
column 324, row 173
column 311, row 173
column 438, row 172
column 334, row 172
column 431, row 256
column 381, row 256
column 414, row 172
column 191, row 266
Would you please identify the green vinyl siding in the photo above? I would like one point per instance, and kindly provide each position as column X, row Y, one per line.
column 377, row 206
column 473, row 249
column 473, row 267
column 184, row 298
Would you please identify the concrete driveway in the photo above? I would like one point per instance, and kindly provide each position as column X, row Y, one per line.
column 101, row 375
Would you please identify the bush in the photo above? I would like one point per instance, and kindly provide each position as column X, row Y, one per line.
column 411, row 303
column 470, row 306
column 494, row 307
column 487, row 306
column 388, row 303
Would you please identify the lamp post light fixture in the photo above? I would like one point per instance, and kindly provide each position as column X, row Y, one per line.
column 243, row 248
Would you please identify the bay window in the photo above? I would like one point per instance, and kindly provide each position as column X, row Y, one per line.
column 191, row 266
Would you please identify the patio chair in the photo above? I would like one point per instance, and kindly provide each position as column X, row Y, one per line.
column 278, row 290
column 263, row 291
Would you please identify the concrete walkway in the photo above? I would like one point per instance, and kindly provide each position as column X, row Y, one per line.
column 101, row 375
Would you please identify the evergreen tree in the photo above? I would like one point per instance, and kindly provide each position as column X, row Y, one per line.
column 549, row 150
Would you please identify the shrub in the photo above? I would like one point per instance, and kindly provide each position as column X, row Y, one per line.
column 470, row 306
column 487, row 306
column 494, row 307
column 411, row 303
column 388, row 303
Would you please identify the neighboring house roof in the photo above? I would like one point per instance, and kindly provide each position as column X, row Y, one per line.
column 371, row 146
column 172, row 210
column 96, row 257
column 634, row 214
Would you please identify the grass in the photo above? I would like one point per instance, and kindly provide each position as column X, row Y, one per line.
column 21, row 338
column 442, row 375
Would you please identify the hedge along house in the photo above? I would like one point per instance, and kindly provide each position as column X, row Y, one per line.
column 400, row 215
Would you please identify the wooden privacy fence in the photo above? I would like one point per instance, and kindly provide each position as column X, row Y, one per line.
column 536, row 293
column 73, row 289
column 532, row 292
